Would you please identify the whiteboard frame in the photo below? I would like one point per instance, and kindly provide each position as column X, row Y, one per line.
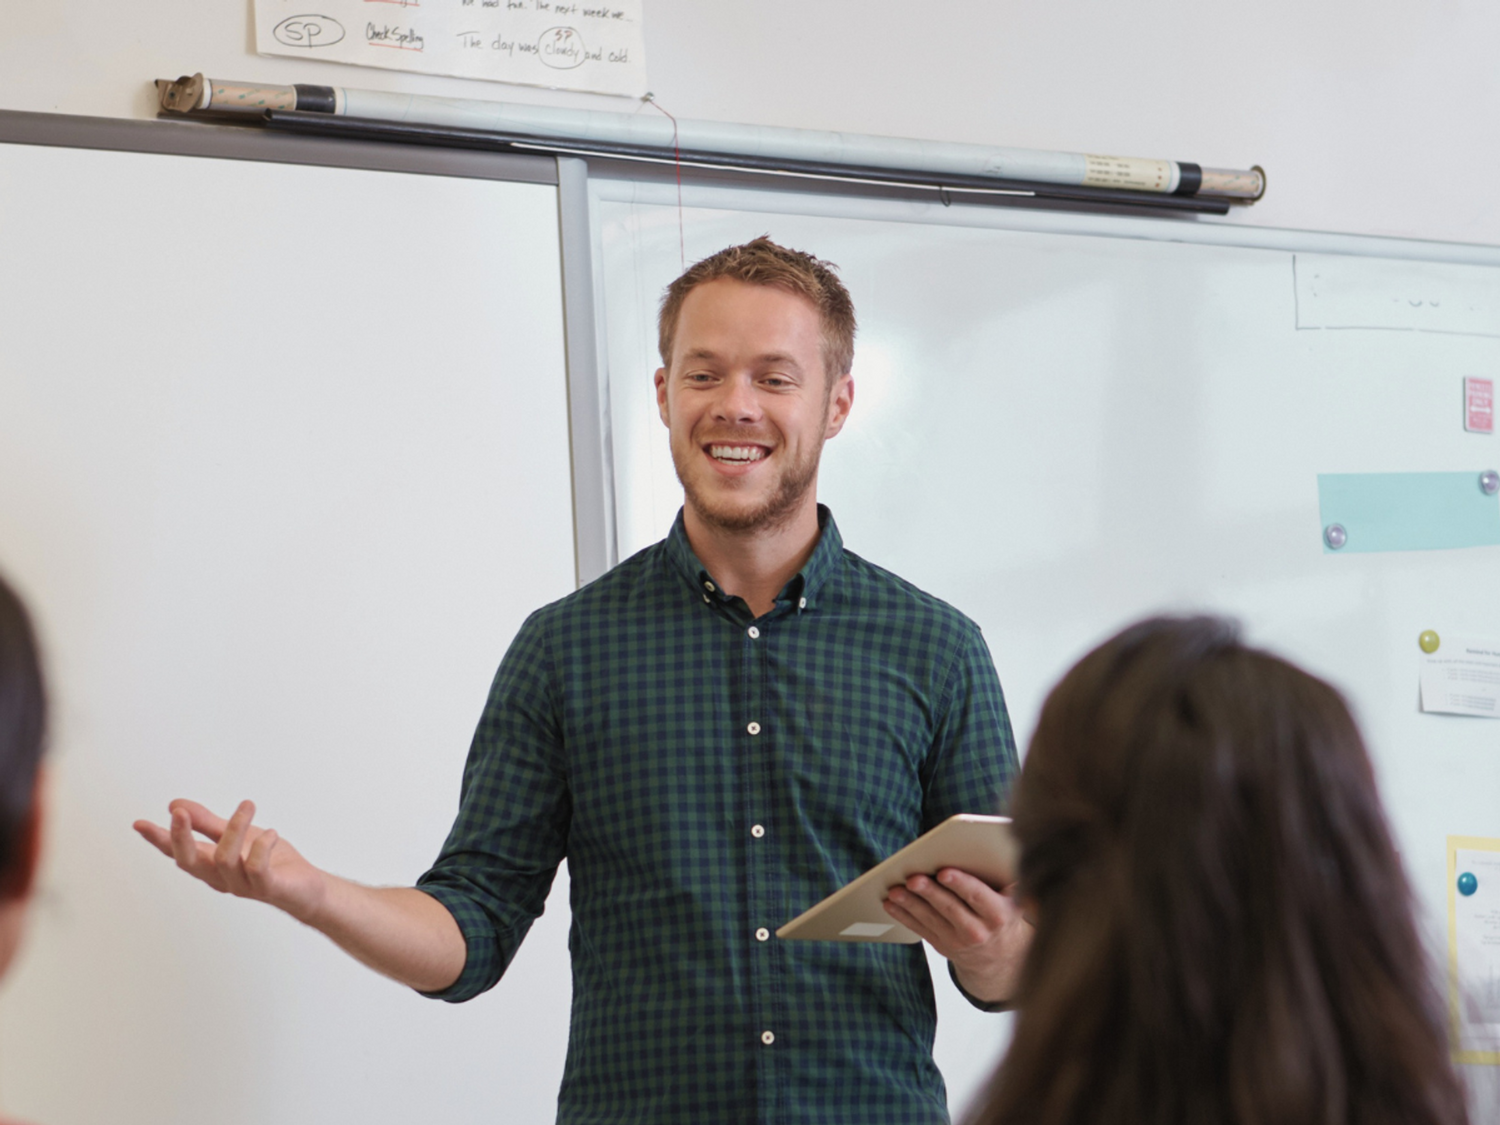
column 186, row 137
column 617, row 184
column 794, row 199
column 588, row 403
column 373, row 445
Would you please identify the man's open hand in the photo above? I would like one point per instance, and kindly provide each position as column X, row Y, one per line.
column 977, row 928
column 242, row 859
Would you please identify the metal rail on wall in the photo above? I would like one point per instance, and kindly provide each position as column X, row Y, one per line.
column 973, row 173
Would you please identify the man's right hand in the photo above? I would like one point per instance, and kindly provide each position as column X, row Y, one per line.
column 402, row 932
column 243, row 860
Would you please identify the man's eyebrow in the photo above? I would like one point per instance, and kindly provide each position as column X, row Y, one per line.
column 779, row 359
column 765, row 359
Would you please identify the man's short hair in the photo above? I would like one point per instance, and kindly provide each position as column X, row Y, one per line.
column 22, row 727
column 763, row 262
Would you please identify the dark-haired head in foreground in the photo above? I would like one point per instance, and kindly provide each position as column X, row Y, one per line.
column 22, row 727
column 1224, row 932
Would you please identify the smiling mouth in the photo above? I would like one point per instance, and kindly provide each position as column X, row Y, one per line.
column 737, row 454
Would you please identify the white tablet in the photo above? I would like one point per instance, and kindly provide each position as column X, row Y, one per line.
column 981, row 845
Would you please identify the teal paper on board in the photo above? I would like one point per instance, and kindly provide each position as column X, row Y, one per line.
column 1408, row 511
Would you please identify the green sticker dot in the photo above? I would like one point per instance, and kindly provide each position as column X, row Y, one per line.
column 1429, row 641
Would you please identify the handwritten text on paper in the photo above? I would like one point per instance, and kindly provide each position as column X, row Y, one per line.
column 559, row 43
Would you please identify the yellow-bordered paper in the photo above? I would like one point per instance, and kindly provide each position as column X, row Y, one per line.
column 1474, row 948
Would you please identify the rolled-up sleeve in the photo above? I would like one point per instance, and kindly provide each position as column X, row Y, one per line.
column 973, row 760
column 498, row 863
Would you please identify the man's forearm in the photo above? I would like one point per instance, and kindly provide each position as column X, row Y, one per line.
column 402, row 932
column 399, row 931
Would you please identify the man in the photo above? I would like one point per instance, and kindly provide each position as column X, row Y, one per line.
column 716, row 734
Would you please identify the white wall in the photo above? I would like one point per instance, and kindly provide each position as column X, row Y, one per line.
column 1370, row 116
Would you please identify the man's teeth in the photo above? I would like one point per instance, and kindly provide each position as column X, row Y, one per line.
column 736, row 452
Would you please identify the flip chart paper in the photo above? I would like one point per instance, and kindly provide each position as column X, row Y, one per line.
column 1474, row 948
column 565, row 45
column 1462, row 678
column 1408, row 511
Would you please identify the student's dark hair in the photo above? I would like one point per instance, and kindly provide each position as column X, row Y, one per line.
column 1223, row 930
column 22, row 730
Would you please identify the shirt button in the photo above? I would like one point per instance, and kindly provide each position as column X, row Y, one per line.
column 762, row 934
column 757, row 830
column 753, row 728
column 754, row 632
column 768, row 1037
column 801, row 603
column 709, row 586
column 706, row 600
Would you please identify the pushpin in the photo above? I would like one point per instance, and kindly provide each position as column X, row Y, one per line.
column 1467, row 884
column 1335, row 535
column 1429, row 641
column 1489, row 482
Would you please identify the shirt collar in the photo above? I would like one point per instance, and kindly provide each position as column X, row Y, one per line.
column 803, row 589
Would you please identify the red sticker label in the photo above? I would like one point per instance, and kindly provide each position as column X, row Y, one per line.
column 1479, row 405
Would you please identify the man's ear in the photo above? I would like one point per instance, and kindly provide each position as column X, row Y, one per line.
column 19, row 880
column 840, row 402
column 661, row 395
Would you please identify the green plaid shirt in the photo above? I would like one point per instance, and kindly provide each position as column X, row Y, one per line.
column 709, row 775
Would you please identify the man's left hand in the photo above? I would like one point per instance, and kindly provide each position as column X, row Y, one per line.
column 977, row 928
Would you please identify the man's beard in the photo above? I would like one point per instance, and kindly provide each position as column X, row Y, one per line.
column 772, row 513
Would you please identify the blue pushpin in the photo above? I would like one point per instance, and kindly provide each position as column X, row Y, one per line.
column 1467, row 884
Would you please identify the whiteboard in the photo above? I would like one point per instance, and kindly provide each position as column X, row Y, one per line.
column 1064, row 423
column 283, row 466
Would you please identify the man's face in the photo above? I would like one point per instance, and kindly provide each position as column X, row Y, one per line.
column 748, row 404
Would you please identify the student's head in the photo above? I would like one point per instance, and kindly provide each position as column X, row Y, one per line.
column 22, row 729
column 1223, row 929
column 756, row 342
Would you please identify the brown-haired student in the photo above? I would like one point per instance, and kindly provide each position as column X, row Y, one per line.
column 22, row 726
column 1223, row 929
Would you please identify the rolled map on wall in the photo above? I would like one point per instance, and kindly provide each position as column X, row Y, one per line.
column 196, row 94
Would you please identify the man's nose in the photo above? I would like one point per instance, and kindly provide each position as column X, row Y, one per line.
column 737, row 402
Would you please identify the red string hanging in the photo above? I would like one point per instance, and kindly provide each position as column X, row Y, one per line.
column 677, row 153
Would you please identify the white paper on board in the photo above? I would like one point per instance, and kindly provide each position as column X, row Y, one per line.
column 594, row 45
column 1462, row 678
column 1476, row 928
